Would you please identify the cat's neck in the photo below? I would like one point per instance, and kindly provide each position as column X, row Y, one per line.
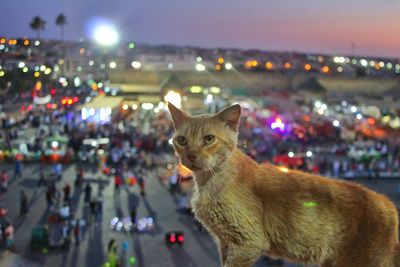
column 202, row 177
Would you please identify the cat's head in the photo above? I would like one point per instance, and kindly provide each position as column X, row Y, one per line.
column 206, row 141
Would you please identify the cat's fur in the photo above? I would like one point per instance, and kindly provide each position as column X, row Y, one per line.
column 252, row 209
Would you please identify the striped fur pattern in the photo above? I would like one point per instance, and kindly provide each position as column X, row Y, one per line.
column 253, row 210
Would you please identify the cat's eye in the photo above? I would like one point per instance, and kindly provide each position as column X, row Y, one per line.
column 208, row 139
column 181, row 140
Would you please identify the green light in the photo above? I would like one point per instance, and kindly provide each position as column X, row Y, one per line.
column 310, row 204
column 131, row 45
column 132, row 260
column 45, row 250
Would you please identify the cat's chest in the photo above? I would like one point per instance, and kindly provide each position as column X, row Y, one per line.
column 215, row 209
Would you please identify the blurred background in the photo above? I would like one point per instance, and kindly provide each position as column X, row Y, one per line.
column 88, row 172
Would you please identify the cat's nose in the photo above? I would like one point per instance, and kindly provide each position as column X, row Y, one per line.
column 192, row 157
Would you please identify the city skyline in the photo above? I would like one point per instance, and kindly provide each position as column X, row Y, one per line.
column 342, row 27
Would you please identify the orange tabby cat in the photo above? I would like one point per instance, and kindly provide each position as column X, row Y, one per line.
column 253, row 209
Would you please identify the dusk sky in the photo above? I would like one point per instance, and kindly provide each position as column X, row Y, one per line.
column 284, row 25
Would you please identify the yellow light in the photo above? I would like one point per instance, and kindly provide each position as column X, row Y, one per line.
column 94, row 86
column 221, row 60
column 2, row 40
column 269, row 65
column 36, row 74
column 284, row 169
column 215, row 90
column 26, row 42
column 61, row 61
column 278, row 120
column 287, row 65
column 386, row 119
column 217, row 67
column 2, row 73
column 38, row 86
column 248, row 64
column 325, row 69
column 307, row 67
column 196, row 89
column 69, row 101
column 254, row 63
column 81, row 51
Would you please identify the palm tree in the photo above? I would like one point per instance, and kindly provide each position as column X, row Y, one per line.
column 38, row 24
column 61, row 21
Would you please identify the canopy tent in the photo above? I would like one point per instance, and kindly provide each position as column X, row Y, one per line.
column 42, row 100
column 103, row 101
column 311, row 84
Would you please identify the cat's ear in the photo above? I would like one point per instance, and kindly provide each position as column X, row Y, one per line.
column 178, row 116
column 231, row 116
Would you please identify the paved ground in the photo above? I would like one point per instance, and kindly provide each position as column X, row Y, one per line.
column 149, row 249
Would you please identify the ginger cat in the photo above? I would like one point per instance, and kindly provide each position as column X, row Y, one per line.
column 253, row 209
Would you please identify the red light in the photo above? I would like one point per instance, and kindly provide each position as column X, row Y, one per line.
column 52, row 91
column 181, row 238
column 48, row 105
column 23, row 107
column 172, row 238
column 371, row 121
column 29, row 108
column 76, row 99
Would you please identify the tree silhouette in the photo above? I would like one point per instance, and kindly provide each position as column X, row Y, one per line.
column 61, row 21
column 38, row 24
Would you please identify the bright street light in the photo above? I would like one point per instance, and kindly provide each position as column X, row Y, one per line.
column 200, row 67
column 106, row 35
column 136, row 64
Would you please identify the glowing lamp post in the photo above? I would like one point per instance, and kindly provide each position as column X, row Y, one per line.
column 106, row 36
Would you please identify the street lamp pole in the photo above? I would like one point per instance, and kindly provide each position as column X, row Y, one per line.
column 106, row 36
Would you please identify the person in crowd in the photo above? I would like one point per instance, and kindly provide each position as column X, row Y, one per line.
column 18, row 168
column 92, row 210
column 67, row 192
column 174, row 180
column 42, row 180
column 9, row 237
column 123, row 258
column 99, row 209
column 117, row 182
column 24, row 208
column 79, row 177
column 88, row 193
column 112, row 256
column 49, row 198
column 65, row 211
column 77, row 231
column 4, row 180
column 141, row 181
column 58, row 171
